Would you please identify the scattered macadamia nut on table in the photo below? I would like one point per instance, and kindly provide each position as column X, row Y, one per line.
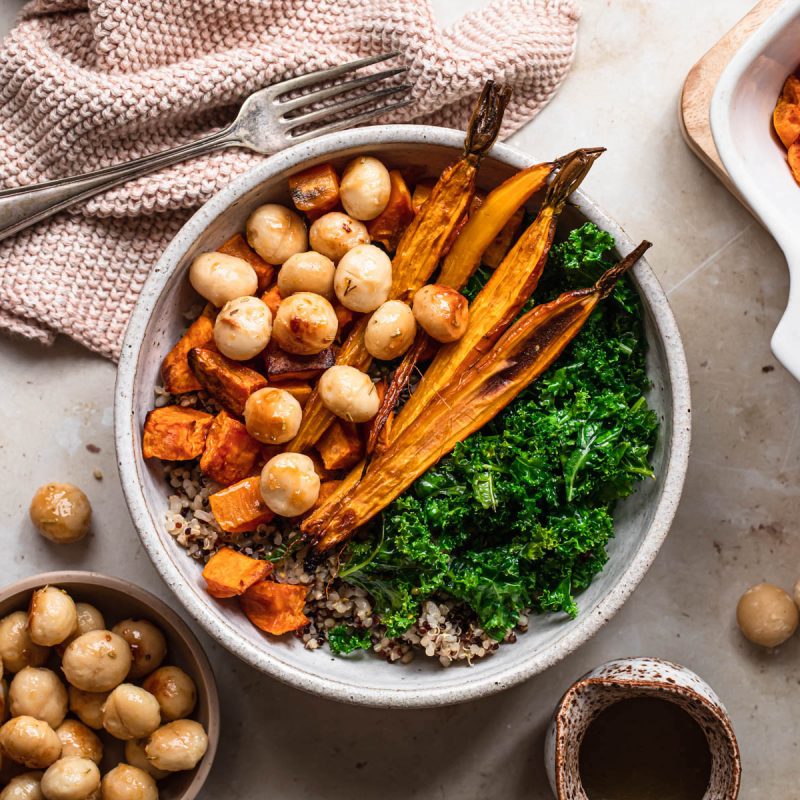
column 52, row 616
column 70, row 778
column 126, row 782
column 219, row 278
column 365, row 188
column 87, row 706
column 390, row 331
column 25, row 786
column 61, row 512
column 276, row 233
column 175, row 691
column 131, row 712
column 289, row 484
column 335, row 234
column 307, row 272
column 30, row 742
column 177, row 745
column 79, row 740
column 363, row 278
column 305, row 324
column 349, row 393
column 767, row 615
column 272, row 415
column 98, row 661
column 442, row 312
column 17, row 649
column 38, row 692
column 147, row 643
column 243, row 328
column 136, row 757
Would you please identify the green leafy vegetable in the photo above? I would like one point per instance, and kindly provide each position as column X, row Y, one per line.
column 343, row 639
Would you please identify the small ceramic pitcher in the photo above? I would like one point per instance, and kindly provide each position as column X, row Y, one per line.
column 637, row 677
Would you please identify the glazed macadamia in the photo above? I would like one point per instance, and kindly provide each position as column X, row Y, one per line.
column 136, row 757
column 98, row 661
column 125, row 782
column 30, row 742
column 177, row 745
column 87, row 706
column 131, row 712
column 52, row 616
column 365, row 188
column 17, row 649
column 37, row 692
column 349, row 393
column 272, row 415
column 219, row 277
column 88, row 619
column 390, row 331
column 307, row 272
column 3, row 701
column 79, row 741
column 289, row 484
column 441, row 312
column 276, row 233
column 147, row 643
column 767, row 615
column 305, row 324
column 174, row 690
column 61, row 512
column 70, row 778
column 243, row 328
column 363, row 278
column 334, row 234
column 26, row 786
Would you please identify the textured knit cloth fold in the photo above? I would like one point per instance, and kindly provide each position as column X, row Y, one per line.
column 88, row 83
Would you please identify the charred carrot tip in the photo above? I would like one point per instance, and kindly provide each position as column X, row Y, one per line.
column 609, row 278
column 486, row 119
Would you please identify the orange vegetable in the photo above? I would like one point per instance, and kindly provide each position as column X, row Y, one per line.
column 272, row 299
column 229, row 573
column 501, row 244
column 283, row 366
column 240, row 508
column 389, row 225
column 178, row 378
column 340, row 446
column 300, row 390
column 227, row 381
column 237, row 246
column 315, row 190
column 344, row 317
column 422, row 191
column 230, row 453
column 275, row 607
column 326, row 490
column 793, row 158
column 174, row 433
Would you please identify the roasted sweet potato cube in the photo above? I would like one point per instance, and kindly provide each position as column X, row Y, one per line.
column 237, row 246
column 178, row 378
column 227, row 381
column 341, row 446
column 786, row 119
column 344, row 317
column 275, row 608
column 283, row 366
column 326, row 489
column 272, row 299
column 422, row 191
column 389, row 225
column 175, row 433
column 300, row 390
column 231, row 452
column 240, row 508
column 315, row 190
column 794, row 159
column 229, row 573
column 501, row 243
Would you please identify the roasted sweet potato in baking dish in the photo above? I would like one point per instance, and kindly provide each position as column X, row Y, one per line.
column 230, row 453
column 315, row 190
column 229, row 573
column 176, row 374
column 237, row 246
column 240, row 508
column 227, row 381
column 275, row 608
column 175, row 433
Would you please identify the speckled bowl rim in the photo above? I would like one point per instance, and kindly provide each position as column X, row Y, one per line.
column 206, row 683
column 477, row 683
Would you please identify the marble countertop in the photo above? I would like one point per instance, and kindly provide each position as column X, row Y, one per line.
column 738, row 521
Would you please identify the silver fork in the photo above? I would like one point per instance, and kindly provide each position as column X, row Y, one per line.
column 265, row 123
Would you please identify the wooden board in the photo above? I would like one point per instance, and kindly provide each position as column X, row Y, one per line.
column 701, row 82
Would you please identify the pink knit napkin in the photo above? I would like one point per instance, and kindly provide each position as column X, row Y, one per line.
column 88, row 83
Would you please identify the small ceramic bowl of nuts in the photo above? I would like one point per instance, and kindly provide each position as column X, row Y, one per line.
column 104, row 693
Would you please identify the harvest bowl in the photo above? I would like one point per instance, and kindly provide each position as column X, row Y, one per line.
column 642, row 521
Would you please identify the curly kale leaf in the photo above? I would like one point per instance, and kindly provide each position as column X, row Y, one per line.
column 345, row 639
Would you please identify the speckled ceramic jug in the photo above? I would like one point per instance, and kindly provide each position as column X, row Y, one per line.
column 639, row 677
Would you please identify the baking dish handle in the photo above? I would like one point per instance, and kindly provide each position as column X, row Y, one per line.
column 786, row 339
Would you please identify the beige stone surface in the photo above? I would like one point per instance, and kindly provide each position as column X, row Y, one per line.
column 738, row 523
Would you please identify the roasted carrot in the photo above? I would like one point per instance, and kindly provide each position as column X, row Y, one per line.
column 422, row 191
column 315, row 190
column 240, row 507
column 237, row 246
column 227, row 381
column 229, row 573
column 498, row 248
column 175, row 433
column 175, row 371
column 230, row 452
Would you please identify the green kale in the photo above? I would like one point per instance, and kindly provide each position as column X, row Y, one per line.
column 343, row 639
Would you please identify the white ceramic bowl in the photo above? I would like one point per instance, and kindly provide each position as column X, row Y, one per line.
column 741, row 122
column 642, row 520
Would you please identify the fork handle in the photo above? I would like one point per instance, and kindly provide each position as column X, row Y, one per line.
column 24, row 206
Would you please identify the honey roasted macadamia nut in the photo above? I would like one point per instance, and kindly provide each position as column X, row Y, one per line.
column 98, row 661
column 136, row 757
column 272, row 415
column 441, row 312
column 87, row 706
column 147, row 643
column 219, row 278
column 52, row 616
column 365, row 188
column 363, row 278
column 30, row 742
column 61, row 512
column 334, row 234
column 767, row 615
column 79, row 740
column 175, row 691
column 37, row 692
column 276, row 233
column 88, row 619
column 177, row 745
column 307, row 272
column 17, row 649
column 243, row 328
column 349, row 393
column 305, row 324
column 126, row 782
column 70, row 778
column 25, row 786
column 390, row 331
column 289, row 484
column 131, row 712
